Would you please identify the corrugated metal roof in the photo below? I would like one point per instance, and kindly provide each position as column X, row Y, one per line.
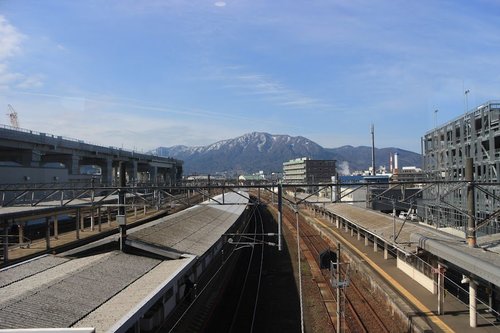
column 26, row 269
column 65, row 301
column 130, row 301
column 51, row 291
column 194, row 230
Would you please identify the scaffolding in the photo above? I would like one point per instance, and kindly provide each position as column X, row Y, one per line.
column 476, row 135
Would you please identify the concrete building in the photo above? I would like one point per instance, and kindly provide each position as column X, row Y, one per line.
column 410, row 174
column 475, row 134
column 376, row 193
column 307, row 171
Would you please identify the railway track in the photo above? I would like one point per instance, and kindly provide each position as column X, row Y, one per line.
column 244, row 315
column 360, row 315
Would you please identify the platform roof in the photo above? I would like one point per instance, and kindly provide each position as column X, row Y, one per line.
column 123, row 309
column 479, row 261
column 382, row 225
column 194, row 230
column 483, row 261
column 63, row 294
column 110, row 290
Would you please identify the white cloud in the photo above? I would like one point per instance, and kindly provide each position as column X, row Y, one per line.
column 10, row 42
column 6, row 77
column 110, row 121
column 28, row 82
column 10, row 39
column 267, row 88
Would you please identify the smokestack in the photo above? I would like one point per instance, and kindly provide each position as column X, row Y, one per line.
column 390, row 162
column 373, row 151
column 396, row 167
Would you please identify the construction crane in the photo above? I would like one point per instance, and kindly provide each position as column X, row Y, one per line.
column 13, row 116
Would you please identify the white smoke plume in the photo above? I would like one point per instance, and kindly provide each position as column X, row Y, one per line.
column 343, row 168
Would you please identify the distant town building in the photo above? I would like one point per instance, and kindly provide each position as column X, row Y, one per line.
column 410, row 174
column 475, row 134
column 255, row 177
column 377, row 194
column 307, row 171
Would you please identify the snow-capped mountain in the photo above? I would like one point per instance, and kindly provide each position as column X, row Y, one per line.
column 263, row 151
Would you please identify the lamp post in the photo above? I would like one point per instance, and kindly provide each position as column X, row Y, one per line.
column 466, row 93
column 437, row 140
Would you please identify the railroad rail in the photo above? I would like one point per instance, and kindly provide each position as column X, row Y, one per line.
column 360, row 314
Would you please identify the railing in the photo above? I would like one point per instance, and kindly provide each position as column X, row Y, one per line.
column 26, row 242
column 40, row 134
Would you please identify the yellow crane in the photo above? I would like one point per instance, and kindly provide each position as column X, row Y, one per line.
column 13, row 116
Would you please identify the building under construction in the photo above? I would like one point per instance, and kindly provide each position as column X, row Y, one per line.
column 476, row 135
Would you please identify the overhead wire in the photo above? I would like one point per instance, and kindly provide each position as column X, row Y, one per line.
column 224, row 263
column 235, row 314
column 260, row 273
column 430, row 267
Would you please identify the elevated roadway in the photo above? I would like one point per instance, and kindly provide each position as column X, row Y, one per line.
column 25, row 154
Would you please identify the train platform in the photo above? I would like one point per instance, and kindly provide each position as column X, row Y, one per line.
column 63, row 239
column 424, row 303
column 102, row 287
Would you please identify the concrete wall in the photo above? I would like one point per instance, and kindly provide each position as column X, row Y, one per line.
column 28, row 175
column 421, row 278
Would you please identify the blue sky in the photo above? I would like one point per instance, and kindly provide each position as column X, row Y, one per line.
column 143, row 74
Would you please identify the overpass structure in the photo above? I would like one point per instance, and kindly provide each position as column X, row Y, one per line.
column 29, row 157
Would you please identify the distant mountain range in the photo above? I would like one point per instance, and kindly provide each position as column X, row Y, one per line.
column 257, row 151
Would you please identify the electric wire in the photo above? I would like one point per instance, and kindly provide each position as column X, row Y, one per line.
column 233, row 250
column 235, row 314
column 299, row 273
column 260, row 272
column 430, row 267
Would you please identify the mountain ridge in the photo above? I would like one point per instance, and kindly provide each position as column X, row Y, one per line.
column 255, row 151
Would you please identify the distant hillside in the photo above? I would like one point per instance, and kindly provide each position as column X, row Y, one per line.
column 256, row 151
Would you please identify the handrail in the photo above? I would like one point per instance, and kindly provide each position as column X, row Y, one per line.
column 28, row 131
column 21, row 245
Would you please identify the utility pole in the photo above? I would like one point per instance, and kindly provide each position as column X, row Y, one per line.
column 209, row 192
column 394, row 221
column 339, row 314
column 280, row 213
column 121, row 218
column 471, row 204
column 299, row 269
column 373, row 150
